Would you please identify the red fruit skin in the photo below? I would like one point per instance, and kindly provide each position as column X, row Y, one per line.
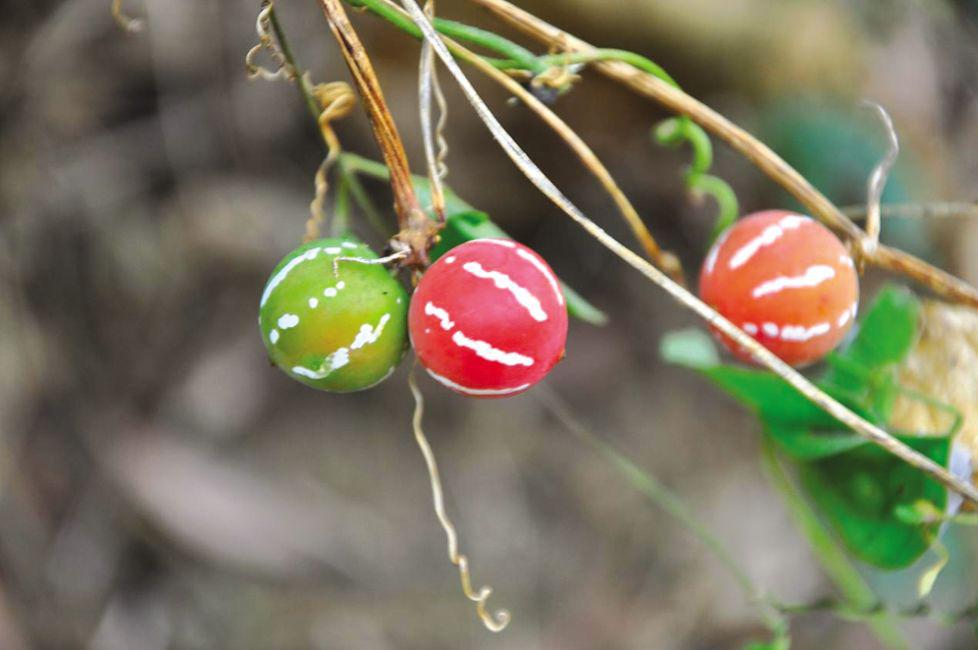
column 786, row 280
column 488, row 319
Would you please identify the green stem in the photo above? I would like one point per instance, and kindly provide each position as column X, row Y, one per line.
column 348, row 165
column 677, row 130
column 357, row 164
column 516, row 56
column 340, row 224
column 610, row 54
column 300, row 83
column 660, row 495
column 857, row 594
column 727, row 205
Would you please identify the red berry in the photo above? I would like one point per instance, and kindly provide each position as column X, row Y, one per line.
column 786, row 280
column 488, row 318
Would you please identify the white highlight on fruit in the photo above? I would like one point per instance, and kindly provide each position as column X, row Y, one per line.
column 486, row 351
column 313, row 302
column 497, row 242
column 547, row 273
column 795, row 333
column 334, row 361
column 801, row 333
column 273, row 336
column 768, row 236
column 288, row 321
column 331, row 363
column 339, row 359
column 711, row 258
column 348, row 244
column 476, row 391
column 846, row 260
column 341, row 285
column 812, row 277
column 281, row 275
column 750, row 328
column 369, row 334
column 333, row 250
column 503, row 281
column 450, row 259
column 330, row 292
column 848, row 314
column 431, row 309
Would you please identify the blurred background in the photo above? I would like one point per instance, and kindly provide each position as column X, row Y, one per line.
column 161, row 486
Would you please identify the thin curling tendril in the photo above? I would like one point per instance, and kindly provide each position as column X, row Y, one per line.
column 428, row 85
column 266, row 41
column 877, row 180
column 676, row 130
column 494, row 622
column 124, row 21
column 336, row 99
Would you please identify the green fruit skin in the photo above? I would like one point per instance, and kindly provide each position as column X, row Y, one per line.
column 338, row 332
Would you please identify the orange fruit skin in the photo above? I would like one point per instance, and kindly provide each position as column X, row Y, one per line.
column 786, row 280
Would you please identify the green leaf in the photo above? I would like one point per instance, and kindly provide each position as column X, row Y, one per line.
column 691, row 347
column 800, row 428
column 464, row 226
column 772, row 398
column 802, row 444
column 888, row 330
column 860, row 493
column 470, row 224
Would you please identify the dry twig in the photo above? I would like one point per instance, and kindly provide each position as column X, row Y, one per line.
column 661, row 258
column 417, row 230
column 761, row 354
column 757, row 152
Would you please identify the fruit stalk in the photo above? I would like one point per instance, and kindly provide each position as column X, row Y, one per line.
column 417, row 230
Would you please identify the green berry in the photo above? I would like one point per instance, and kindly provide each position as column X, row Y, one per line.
column 340, row 332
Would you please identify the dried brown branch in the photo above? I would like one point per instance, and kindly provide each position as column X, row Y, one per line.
column 760, row 354
column 663, row 259
column 940, row 210
column 417, row 230
column 753, row 149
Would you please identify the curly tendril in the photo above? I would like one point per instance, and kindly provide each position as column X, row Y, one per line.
column 125, row 22
column 494, row 621
column 336, row 99
column 674, row 132
column 267, row 41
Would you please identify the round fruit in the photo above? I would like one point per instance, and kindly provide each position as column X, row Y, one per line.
column 341, row 331
column 786, row 280
column 488, row 318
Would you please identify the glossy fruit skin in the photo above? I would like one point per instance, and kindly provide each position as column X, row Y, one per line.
column 786, row 280
column 488, row 319
column 342, row 332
